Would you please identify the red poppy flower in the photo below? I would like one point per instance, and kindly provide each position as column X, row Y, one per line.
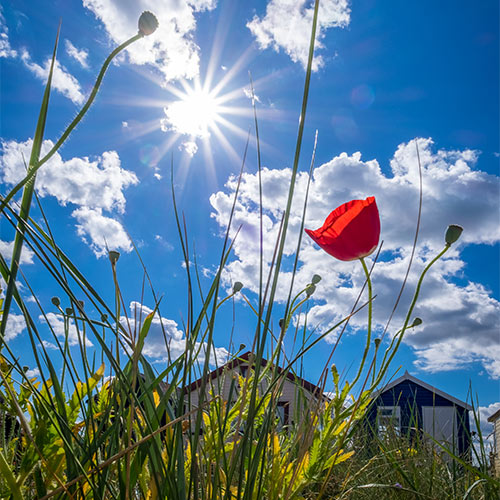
column 351, row 231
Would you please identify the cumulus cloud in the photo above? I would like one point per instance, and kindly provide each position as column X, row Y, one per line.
column 485, row 412
column 74, row 333
column 81, row 181
column 93, row 186
column 7, row 247
column 62, row 80
column 16, row 324
column 101, row 232
column 79, row 55
column 171, row 48
column 292, row 32
column 164, row 337
column 460, row 321
column 34, row 372
column 486, row 427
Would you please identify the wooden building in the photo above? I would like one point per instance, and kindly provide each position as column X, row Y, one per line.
column 295, row 397
column 408, row 405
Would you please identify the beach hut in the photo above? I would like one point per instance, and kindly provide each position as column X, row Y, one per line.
column 408, row 405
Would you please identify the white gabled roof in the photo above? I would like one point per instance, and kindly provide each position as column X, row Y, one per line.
column 421, row 383
column 494, row 417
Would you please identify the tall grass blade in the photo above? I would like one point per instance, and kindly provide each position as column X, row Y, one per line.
column 28, row 193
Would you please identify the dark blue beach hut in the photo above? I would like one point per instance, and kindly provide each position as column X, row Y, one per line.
column 408, row 405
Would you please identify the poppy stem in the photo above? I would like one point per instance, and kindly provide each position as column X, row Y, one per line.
column 370, row 314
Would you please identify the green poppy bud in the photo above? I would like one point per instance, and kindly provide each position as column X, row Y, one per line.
column 237, row 286
column 377, row 342
column 113, row 257
column 316, row 279
column 147, row 23
column 453, row 233
column 69, row 311
column 334, row 371
column 310, row 289
column 416, row 322
column 56, row 301
column 242, row 346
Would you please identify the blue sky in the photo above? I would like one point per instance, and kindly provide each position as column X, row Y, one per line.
column 386, row 74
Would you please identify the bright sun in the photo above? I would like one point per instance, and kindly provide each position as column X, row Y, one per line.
column 199, row 114
column 194, row 114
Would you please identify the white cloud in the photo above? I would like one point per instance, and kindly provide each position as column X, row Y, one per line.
column 190, row 147
column 75, row 335
column 79, row 55
column 170, row 48
column 49, row 345
column 287, row 25
column 62, row 81
column 81, row 181
column 99, row 231
column 250, row 95
column 164, row 336
column 15, row 326
column 91, row 185
column 486, row 427
column 34, row 372
column 164, row 243
column 6, row 248
column 460, row 322
column 5, row 48
column 485, row 412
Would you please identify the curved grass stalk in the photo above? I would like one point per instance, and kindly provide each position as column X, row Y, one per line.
column 35, row 163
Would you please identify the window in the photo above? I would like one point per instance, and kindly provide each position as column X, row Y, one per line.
column 388, row 420
column 282, row 410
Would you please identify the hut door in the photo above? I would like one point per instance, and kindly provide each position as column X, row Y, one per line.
column 440, row 422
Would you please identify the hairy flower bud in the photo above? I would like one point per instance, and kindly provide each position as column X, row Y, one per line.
column 416, row 322
column 147, row 23
column 452, row 234
column 310, row 289
column 237, row 286
column 113, row 257
column 69, row 311
column 56, row 301
column 316, row 279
